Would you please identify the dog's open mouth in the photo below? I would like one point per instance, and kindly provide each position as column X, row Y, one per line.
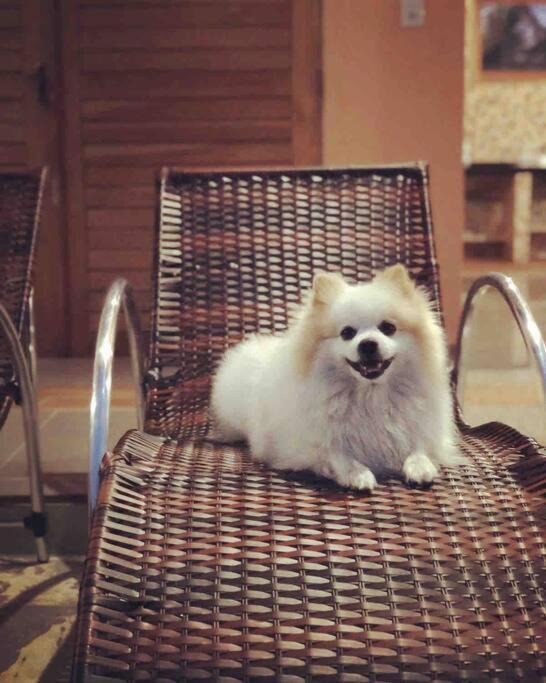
column 370, row 369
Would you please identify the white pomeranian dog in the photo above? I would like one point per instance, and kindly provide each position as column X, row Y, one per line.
column 356, row 387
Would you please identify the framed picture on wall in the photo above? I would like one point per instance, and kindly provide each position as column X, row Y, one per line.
column 512, row 37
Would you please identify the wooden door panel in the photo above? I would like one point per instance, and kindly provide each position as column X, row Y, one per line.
column 10, row 17
column 119, row 178
column 11, row 110
column 229, row 13
column 193, row 131
column 199, row 154
column 107, row 219
column 29, row 140
column 13, row 117
column 98, row 85
column 220, row 59
column 11, row 38
column 184, row 83
column 10, row 60
column 123, row 238
column 93, row 39
column 167, row 112
column 136, row 196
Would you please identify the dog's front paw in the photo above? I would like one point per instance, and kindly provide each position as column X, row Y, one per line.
column 419, row 470
column 354, row 475
column 362, row 480
column 349, row 473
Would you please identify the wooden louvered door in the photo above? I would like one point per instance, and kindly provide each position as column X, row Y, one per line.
column 186, row 83
column 29, row 139
column 13, row 151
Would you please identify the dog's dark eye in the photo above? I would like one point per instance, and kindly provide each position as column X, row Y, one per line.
column 387, row 328
column 347, row 333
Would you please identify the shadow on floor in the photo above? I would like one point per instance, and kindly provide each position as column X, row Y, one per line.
column 38, row 601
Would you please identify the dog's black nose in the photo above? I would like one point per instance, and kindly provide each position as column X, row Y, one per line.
column 367, row 348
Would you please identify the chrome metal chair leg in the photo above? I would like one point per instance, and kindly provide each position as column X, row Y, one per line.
column 37, row 519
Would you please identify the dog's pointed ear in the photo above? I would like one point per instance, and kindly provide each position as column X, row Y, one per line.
column 327, row 286
column 398, row 276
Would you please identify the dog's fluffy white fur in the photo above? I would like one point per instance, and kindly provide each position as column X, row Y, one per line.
column 311, row 399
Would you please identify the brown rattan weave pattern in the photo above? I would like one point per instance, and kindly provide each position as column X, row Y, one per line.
column 20, row 197
column 203, row 565
column 236, row 251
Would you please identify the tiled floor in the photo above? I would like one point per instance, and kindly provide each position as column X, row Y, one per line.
column 37, row 603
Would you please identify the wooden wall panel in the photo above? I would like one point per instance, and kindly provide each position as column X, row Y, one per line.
column 28, row 140
column 200, row 83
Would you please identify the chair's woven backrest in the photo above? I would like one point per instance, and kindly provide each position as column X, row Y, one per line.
column 20, row 198
column 236, row 250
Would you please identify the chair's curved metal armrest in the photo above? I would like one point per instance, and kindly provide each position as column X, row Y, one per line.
column 521, row 313
column 120, row 295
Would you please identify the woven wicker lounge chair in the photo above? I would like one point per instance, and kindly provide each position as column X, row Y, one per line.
column 203, row 565
column 20, row 199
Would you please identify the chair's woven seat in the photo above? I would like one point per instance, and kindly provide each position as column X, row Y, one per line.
column 203, row 565
column 211, row 567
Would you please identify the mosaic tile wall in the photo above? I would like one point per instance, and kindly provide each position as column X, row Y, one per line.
column 504, row 121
